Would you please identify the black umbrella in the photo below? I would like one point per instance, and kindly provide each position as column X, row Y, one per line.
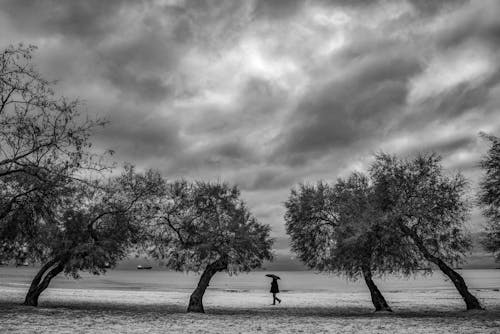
column 273, row 276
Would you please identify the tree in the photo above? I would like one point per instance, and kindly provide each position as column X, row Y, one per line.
column 91, row 228
column 338, row 228
column 429, row 208
column 206, row 227
column 489, row 195
column 44, row 141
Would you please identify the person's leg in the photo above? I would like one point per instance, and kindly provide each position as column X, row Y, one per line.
column 274, row 298
column 279, row 300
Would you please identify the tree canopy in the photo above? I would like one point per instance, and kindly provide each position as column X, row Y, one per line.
column 92, row 227
column 489, row 195
column 420, row 199
column 429, row 207
column 206, row 227
column 339, row 228
column 407, row 213
column 44, row 143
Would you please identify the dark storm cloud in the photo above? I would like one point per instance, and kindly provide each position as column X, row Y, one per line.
column 459, row 100
column 433, row 6
column 446, row 146
column 370, row 100
column 269, row 93
column 158, row 36
column 355, row 107
column 265, row 178
column 81, row 19
column 232, row 150
column 277, row 9
column 259, row 96
column 140, row 66
column 136, row 138
column 256, row 101
column 209, row 23
column 426, row 7
column 463, row 100
column 219, row 157
column 131, row 65
column 480, row 24
column 271, row 179
column 453, row 144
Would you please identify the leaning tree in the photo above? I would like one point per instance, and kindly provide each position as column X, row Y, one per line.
column 44, row 143
column 429, row 208
column 339, row 229
column 206, row 227
column 489, row 195
column 90, row 228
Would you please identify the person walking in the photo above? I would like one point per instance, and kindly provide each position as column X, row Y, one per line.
column 274, row 288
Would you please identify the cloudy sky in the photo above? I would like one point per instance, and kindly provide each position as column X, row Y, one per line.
column 269, row 93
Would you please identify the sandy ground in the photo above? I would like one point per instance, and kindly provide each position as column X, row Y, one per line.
column 117, row 311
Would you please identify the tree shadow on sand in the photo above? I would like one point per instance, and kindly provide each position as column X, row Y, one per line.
column 345, row 312
column 153, row 310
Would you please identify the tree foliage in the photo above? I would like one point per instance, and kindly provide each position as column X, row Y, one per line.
column 339, row 228
column 406, row 214
column 310, row 221
column 429, row 208
column 44, row 143
column 417, row 195
column 489, row 195
column 203, row 222
column 92, row 227
column 206, row 227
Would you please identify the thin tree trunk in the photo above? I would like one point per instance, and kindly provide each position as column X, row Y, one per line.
column 470, row 300
column 196, row 299
column 378, row 299
column 38, row 285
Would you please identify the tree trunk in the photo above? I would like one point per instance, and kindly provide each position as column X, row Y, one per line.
column 38, row 285
column 196, row 299
column 470, row 300
column 378, row 299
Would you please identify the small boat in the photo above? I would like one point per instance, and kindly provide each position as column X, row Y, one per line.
column 139, row 267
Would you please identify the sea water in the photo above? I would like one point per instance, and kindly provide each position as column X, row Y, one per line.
column 291, row 281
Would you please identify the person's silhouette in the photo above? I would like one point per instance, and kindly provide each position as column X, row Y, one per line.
column 274, row 290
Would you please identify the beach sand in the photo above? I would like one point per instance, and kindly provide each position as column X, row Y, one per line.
column 121, row 311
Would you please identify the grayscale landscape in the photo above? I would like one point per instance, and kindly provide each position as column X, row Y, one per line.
column 260, row 166
column 131, row 301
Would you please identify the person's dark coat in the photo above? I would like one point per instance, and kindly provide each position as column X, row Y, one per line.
column 274, row 286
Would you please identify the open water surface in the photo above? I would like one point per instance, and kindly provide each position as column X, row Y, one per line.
column 291, row 281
